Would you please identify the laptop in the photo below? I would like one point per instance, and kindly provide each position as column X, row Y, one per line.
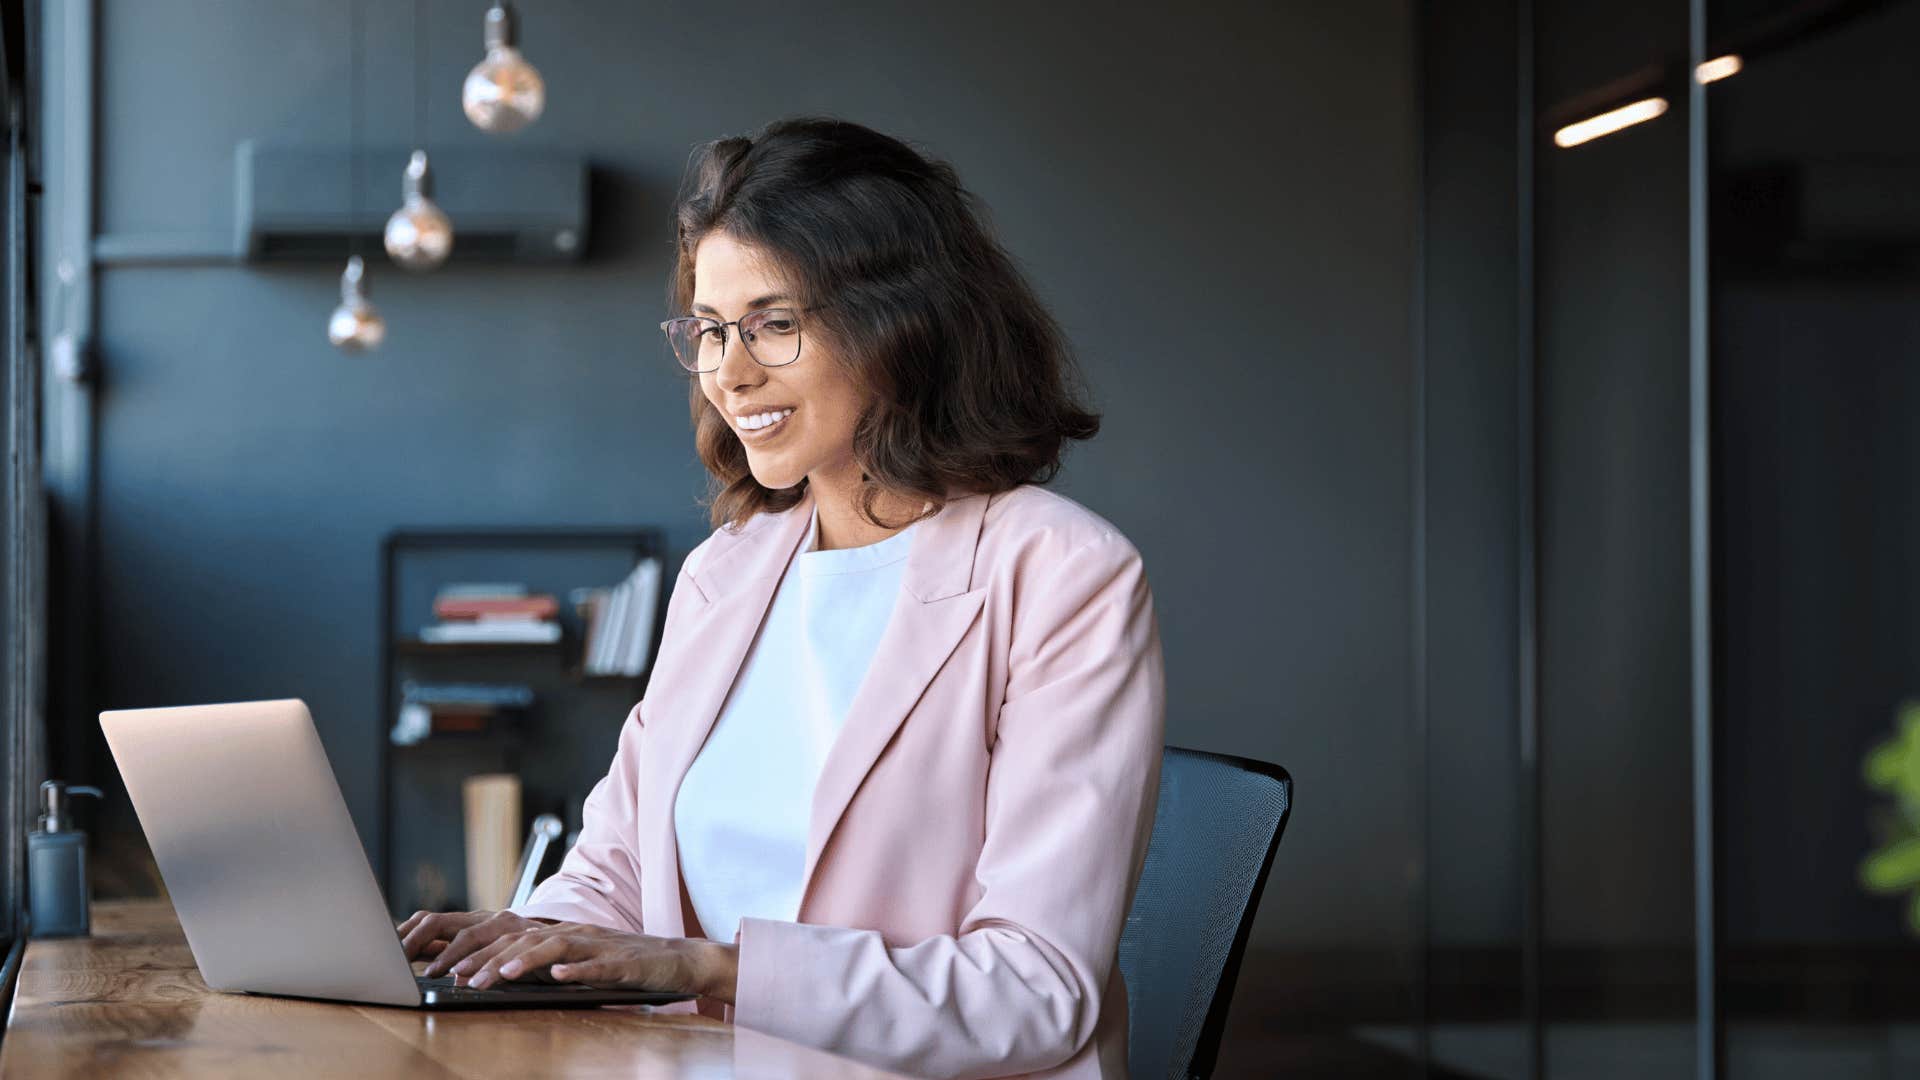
column 266, row 872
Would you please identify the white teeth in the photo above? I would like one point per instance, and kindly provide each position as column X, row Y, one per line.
column 761, row 420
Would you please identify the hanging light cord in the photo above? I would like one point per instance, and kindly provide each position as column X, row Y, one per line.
column 353, row 129
column 419, row 76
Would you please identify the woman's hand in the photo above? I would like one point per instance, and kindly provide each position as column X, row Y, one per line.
column 598, row 956
column 449, row 935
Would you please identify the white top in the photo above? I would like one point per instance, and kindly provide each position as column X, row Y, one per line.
column 740, row 818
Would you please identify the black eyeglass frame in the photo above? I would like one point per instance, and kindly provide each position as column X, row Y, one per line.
column 799, row 336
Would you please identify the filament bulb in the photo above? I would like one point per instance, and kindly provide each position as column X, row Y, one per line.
column 419, row 236
column 503, row 93
column 355, row 326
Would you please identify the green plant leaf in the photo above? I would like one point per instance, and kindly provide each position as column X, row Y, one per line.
column 1892, row 868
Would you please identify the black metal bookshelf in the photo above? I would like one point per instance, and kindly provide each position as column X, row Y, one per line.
column 570, row 731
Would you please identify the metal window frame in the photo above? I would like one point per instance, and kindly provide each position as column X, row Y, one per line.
column 22, row 542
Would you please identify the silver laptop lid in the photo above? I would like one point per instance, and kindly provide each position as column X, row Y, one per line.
column 267, row 875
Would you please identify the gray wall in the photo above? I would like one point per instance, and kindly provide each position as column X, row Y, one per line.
column 1217, row 199
column 1476, row 872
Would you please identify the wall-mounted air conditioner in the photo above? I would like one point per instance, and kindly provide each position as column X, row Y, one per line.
column 506, row 205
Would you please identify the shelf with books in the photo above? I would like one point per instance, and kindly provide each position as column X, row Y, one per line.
column 482, row 698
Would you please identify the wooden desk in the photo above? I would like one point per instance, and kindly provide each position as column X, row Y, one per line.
column 129, row 1001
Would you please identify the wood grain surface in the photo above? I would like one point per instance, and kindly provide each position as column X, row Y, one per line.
column 128, row 1002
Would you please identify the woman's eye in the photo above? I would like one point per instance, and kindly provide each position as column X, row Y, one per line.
column 776, row 326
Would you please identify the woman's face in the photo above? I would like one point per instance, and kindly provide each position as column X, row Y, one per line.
column 812, row 402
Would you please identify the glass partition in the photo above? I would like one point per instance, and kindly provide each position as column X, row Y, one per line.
column 1815, row 334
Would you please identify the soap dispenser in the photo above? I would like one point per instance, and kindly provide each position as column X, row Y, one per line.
column 57, row 894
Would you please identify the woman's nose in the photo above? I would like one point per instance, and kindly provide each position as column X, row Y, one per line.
column 737, row 368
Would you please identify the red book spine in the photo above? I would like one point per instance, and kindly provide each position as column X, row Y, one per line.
column 544, row 606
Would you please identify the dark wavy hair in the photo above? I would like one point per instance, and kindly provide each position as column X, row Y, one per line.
column 971, row 386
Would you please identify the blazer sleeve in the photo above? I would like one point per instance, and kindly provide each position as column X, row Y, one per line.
column 1071, row 784
column 599, row 880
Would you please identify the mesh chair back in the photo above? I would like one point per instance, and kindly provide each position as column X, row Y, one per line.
column 1215, row 828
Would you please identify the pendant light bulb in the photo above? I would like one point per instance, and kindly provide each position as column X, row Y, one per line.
column 419, row 236
column 503, row 93
column 355, row 326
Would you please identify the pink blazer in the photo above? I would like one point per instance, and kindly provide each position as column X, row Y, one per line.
column 978, row 826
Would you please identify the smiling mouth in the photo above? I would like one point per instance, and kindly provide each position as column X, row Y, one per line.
column 762, row 426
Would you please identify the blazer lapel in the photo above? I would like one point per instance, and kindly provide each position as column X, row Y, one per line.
column 930, row 616
column 738, row 587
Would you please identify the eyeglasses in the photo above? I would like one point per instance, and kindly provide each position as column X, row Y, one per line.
column 771, row 335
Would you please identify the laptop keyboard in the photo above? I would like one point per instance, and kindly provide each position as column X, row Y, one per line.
column 444, row 984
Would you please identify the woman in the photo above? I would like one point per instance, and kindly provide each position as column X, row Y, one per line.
column 892, row 780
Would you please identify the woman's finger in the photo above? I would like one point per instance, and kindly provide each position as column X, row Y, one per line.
column 489, row 972
column 476, row 959
column 635, row 962
column 593, row 971
column 529, row 953
column 434, row 948
column 433, row 926
column 410, row 932
column 476, row 936
column 437, row 926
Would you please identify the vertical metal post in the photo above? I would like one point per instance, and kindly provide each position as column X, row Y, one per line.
column 23, row 665
column 1421, row 686
column 1533, row 901
column 1707, row 1026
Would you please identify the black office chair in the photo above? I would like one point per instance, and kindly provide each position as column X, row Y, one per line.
column 1215, row 828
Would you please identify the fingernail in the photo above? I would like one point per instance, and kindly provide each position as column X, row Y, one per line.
column 481, row 980
column 510, row 968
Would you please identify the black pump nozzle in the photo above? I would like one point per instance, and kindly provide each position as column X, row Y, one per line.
column 55, row 814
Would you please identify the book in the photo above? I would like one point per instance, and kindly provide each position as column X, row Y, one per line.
column 462, row 590
column 462, row 722
column 515, row 694
column 620, row 628
column 542, row 606
column 503, row 630
column 618, row 600
column 646, row 588
column 595, row 602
